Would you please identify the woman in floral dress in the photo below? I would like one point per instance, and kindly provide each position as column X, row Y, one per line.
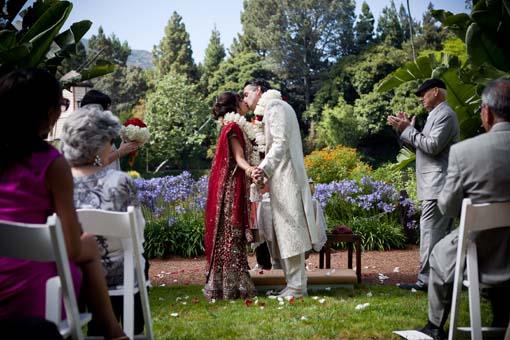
column 226, row 216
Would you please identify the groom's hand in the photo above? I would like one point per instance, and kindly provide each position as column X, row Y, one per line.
column 257, row 175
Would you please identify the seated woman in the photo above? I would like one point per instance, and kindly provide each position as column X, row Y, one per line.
column 87, row 143
column 35, row 182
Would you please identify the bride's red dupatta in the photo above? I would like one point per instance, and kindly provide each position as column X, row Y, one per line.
column 218, row 179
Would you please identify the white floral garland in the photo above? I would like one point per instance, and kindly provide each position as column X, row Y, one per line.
column 266, row 96
column 242, row 122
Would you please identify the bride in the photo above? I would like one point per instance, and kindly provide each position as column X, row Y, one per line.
column 227, row 216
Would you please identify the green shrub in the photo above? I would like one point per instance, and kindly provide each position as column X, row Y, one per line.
column 182, row 236
column 328, row 165
column 377, row 232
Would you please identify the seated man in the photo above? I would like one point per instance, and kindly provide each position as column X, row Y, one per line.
column 478, row 168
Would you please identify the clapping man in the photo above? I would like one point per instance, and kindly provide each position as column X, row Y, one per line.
column 432, row 147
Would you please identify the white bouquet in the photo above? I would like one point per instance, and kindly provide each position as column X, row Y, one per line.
column 135, row 130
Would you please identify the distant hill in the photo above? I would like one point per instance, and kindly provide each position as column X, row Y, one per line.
column 140, row 58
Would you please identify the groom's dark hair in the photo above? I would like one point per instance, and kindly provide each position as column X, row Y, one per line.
column 263, row 84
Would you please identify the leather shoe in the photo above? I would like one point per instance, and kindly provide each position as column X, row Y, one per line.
column 411, row 286
column 434, row 332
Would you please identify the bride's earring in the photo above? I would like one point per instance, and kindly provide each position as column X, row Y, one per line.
column 97, row 161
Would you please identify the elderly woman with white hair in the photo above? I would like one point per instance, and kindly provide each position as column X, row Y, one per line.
column 86, row 144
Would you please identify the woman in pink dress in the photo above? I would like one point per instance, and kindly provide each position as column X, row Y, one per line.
column 35, row 182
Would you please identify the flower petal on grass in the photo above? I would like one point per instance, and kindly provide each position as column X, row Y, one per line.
column 369, row 294
column 174, row 315
column 396, row 270
column 322, row 301
column 362, row 306
column 248, row 302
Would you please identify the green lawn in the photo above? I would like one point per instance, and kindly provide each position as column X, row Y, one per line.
column 336, row 316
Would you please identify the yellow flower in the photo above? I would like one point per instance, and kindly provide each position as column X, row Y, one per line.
column 134, row 174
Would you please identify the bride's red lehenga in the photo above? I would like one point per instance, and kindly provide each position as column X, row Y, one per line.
column 226, row 223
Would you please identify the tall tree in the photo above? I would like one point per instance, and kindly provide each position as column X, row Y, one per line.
column 389, row 28
column 174, row 51
column 433, row 34
column 127, row 84
column 364, row 27
column 300, row 37
column 214, row 55
column 109, row 48
column 174, row 114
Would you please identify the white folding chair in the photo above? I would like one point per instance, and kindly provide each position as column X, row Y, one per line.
column 45, row 242
column 474, row 218
column 123, row 225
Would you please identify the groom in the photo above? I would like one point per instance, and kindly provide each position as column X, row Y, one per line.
column 291, row 200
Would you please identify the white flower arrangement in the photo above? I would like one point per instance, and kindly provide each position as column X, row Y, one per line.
column 264, row 99
column 133, row 133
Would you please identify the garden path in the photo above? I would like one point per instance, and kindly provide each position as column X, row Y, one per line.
column 397, row 265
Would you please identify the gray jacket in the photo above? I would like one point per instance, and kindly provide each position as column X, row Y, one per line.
column 432, row 147
column 479, row 168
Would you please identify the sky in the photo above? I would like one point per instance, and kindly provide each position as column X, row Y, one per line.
column 142, row 23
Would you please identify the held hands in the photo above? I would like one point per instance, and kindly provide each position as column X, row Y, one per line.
column 401, row 121
column 256, row 174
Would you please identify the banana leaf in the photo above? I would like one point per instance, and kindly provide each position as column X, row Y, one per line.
column 414, row 70
column 405, row 158
column 44, row 31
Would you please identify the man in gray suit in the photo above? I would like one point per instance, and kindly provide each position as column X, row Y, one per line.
column 432, row 147
column 479, row 168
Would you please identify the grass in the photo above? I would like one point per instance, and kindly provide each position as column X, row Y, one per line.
column 390, row 309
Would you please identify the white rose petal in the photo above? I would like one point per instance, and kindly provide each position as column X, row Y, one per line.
column 281, row 303
column 304, row 318
column 174, row 315
column 396, row 269
column 369, row 294
column 315, row 297
column 362, row 306
column 322, row 301
column 413, row 290
column 213, row 301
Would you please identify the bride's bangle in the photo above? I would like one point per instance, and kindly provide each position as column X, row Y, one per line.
column 249, row 171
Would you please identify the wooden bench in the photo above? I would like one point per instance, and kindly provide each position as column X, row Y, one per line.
column 350, row 239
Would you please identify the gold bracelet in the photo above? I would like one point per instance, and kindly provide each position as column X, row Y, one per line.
column 249, row 171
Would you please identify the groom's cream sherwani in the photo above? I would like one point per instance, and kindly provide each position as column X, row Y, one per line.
column 291, row 201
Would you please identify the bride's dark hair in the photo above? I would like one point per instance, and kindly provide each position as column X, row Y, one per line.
column 226, row 102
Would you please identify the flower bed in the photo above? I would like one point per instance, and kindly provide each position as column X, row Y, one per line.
column 173, row 207
column 373, row 209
